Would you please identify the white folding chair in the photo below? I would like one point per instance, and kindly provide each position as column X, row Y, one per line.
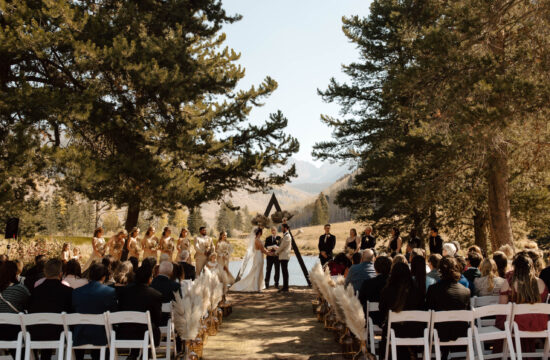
column 522, row 309
column 85, row 319
column 43, row 319
column 17, row 344
column 479, row 301
column 167, row 334
column 439, row 317
column 408, row 316
column 131, row 317
column 374, row 331
column 485, row 330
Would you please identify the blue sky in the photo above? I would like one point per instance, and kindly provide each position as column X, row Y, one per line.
column 301, row 45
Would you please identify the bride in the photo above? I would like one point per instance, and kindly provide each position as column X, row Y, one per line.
column 252, row 277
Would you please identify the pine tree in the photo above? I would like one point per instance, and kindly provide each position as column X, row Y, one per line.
column 320, row 211
column 147, row 97
column 195, row 220
column 442, row 112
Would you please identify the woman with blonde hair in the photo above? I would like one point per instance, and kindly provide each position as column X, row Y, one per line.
column 150, row 243
column 224, row 250
column 99, row 247
column 183, row 242
column 116, row 244
column 508, row 251
column 123, row 274
column 489, row 284
column 167, row 243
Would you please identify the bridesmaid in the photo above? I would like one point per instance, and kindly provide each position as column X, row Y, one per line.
column 150, row 243
column 183, row 242
column 98, row 247
column 224, row 250
column 396, row 242
column 353, row 243
column 116, row 244
column 133, row 244
column 167, row 243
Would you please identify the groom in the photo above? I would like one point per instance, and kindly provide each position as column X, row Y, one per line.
column 284, row 255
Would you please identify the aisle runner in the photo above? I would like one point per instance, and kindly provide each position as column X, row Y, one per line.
column 271, row 325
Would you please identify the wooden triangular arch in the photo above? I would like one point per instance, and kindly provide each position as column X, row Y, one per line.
column 274, row 202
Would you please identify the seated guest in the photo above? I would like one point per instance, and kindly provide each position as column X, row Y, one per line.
column 188, row 269
column 508, row 251
column 124, row 274
column 92, row 298
column 399, row 259
column 418, row 271
column 73, row 274
column 526, row 288
column 413, row 243
column 401, row 293
column 474, row 260
column 447, row 295
column 489, row 284
column 476, row 249
column 14, row 298
column 362, row 271
column 35, row 273
column 449, row 249
column 135, row 262
column 462, row 267
column 109, row 262
column 538, row 259
column 371, row 288
column 339, row 265
column 139, row 296
column 433, row 264
column 502, row 263
column 163, row 282
column 51, row 296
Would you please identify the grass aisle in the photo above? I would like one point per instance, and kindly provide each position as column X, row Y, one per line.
column 271, row 325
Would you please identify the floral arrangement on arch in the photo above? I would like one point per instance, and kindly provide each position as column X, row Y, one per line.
column 260, row 220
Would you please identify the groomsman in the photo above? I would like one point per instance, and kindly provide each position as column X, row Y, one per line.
column 367, row 240
column 203, row 244
column 272, row 259
column 327, row 242
column 284, row 255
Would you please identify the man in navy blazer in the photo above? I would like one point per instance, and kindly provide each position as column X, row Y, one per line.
column 92, row 298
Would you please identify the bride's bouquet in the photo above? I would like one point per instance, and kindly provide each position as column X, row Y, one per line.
column 225, row 249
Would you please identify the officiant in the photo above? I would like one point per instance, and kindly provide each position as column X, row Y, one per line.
column 272, row 242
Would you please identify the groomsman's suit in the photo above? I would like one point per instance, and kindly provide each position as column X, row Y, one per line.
column 327, row 242
column 272, row 260
column 284, row 255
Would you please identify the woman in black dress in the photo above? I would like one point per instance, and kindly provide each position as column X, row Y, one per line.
column 396, row 242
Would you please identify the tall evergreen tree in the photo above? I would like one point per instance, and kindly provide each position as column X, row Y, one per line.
column 437, row 109
column 138, row 101
column 195, row 220
column 320, row 211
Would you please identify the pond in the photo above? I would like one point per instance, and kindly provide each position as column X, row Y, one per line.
column 295, row 274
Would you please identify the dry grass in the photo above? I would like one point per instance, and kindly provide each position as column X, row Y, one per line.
column 308, row 240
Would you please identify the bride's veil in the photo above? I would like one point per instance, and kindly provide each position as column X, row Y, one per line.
column 249, row 256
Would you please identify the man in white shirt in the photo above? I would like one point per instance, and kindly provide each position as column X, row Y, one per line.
column 203, row 244
column 284, row 255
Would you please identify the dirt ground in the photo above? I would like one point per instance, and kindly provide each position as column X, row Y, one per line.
column 271, row 325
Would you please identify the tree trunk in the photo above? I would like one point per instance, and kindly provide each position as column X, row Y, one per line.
column 498, row 200
column 433, row 217
column 132, row 217
column 480, row 229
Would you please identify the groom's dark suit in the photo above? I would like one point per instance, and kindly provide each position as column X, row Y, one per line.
column 272, row 260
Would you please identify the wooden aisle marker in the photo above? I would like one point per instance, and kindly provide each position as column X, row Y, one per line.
column 274, row 202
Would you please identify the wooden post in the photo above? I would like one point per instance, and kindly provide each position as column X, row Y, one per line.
column 274, row 202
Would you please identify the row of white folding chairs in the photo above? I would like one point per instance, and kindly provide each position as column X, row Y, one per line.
column 374, row 331
column 479, row 330
column 106, row 319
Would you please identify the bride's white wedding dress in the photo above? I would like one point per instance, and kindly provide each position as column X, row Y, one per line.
column 252, row 277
